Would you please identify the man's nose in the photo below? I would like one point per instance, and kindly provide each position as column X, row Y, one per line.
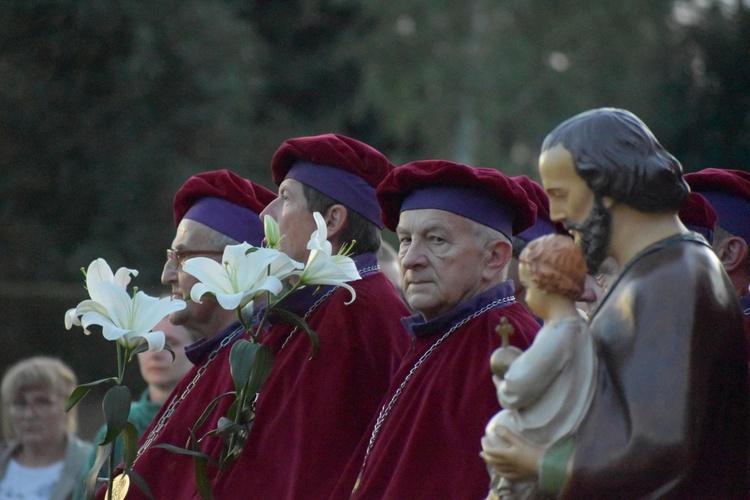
column 169, row 273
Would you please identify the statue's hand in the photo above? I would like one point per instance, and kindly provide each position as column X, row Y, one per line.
column 515, row 458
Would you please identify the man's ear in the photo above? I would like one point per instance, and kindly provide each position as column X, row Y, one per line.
column 336, row 218
column 498, row 255
column 732, row 252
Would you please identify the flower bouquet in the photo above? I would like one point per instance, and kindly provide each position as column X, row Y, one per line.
column 127, row 320
column 247, row 275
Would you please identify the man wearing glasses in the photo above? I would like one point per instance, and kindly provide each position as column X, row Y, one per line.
column 211, row 210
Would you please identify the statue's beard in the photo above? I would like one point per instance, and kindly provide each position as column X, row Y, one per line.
column 593, row 234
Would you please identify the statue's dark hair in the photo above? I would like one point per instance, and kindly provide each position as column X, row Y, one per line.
column 619, row 157
column 359, row 229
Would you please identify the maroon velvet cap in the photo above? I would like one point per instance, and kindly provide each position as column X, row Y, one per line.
column 483, row 195
column 728, row 192
column 543, row 224
column 698, row 215
column 344, row 162
column 225, row 202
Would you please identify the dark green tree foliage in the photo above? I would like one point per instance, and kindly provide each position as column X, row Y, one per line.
column 483, row 82
column 308, row 59
column 107, row 108
column 709, row 98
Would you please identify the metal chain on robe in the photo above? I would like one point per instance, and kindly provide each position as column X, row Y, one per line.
column 322, row 299
column 387, row 408
column 176, row 400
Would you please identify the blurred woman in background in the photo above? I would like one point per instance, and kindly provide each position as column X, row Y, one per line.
column 41, row 458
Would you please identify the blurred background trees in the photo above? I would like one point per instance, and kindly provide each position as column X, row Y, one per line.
column 107, row 107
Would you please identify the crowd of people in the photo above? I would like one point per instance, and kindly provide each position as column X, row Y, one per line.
column 637, row 386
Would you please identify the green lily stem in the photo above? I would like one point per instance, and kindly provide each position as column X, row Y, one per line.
column 242, row 396
column 111, row 473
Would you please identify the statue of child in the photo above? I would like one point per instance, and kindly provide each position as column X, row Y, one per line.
column 546, row 391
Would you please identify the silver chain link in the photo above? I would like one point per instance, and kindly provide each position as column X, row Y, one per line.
column 387, row 408
column 176, row 400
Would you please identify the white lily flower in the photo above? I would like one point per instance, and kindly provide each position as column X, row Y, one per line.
column 97, row 273
column 322, row 268
column 242, row 274
column 123, row 318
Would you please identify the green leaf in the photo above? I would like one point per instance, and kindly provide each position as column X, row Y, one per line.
column 299, row 322
column 129, row 444
column 200, row 467
column 182, row 451
column 142, row 347
column 116, row 405
column 259, row 373
column 241, row 359
column 139, row 482
column 225, row 427
column 209, row 409
column 80, row 392
column 90, row 484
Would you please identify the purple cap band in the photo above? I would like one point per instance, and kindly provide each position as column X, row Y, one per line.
column 344, row 187
column 703, row 231
column 474, row 204
column 540, row 228
column 733, row 212
column 232, row 220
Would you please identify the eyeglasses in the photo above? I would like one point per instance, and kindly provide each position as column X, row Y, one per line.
column 37, row 405
column 180, row 256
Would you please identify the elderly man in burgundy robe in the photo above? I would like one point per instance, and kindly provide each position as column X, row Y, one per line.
column 728, row 192
column 211, row 210
column 454, row 224
column 311, row 413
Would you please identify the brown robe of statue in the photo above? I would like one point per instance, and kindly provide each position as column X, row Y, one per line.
column 670, row 415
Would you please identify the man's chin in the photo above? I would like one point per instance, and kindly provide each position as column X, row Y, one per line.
column 177, row 318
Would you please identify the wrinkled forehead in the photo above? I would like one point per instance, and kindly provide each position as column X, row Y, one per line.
column 195, row 235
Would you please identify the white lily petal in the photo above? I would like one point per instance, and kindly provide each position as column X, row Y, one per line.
column 118, row 304
column 198, row 291
column 209, row 272
column 151, row 310
column 229, row 302
column 341, row 284
column 97, row 273
column 122, row 276
column 71, row 318
column 156, row 340
column 96, row 318
column 271, row 284
column 114, row 332
column 319, row 237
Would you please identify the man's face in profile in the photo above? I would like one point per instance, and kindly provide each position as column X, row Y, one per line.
column 574, row 204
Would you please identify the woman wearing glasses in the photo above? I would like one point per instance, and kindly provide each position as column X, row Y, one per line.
column 41, row 458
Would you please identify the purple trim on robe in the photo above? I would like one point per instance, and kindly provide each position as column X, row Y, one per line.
column 745, row 303
column 474, row 204
column 239, row 223
column 301, row 300
column 418, row 327
column 703, row 231
column 344, row 187
column 732, row 212
column 197, row 351
column 540, row 228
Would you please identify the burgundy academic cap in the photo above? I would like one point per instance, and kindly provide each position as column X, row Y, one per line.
column 728, row 192
column 483, row 195
column 225, row 202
